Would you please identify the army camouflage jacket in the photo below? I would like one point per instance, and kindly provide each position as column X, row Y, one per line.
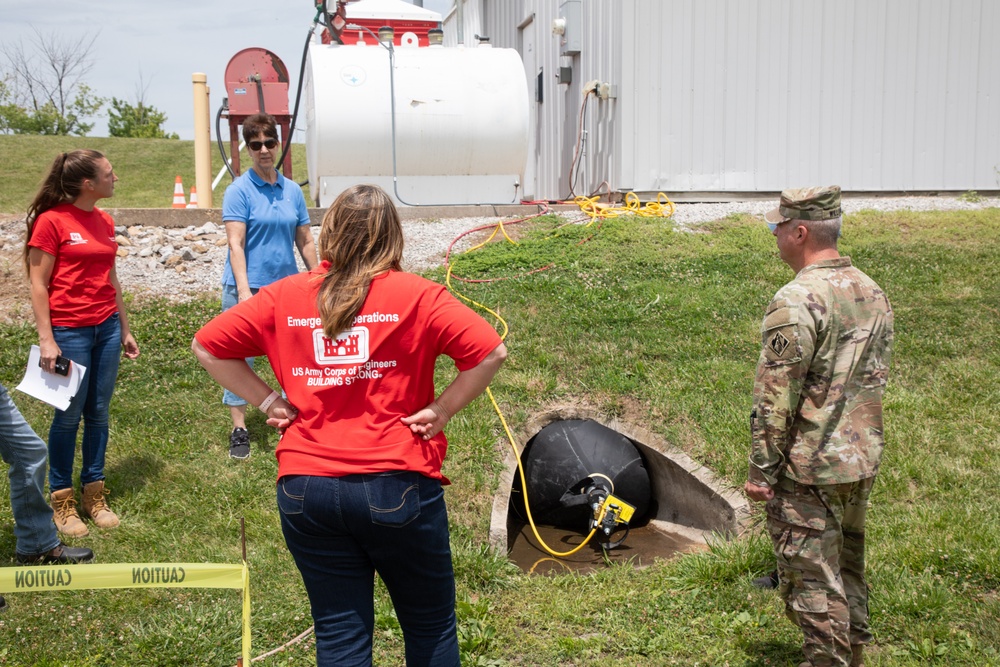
column 817, row 398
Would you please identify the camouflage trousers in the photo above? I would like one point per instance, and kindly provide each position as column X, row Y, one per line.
column 818, row 534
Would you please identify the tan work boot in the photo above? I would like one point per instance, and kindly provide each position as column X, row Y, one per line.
column 857, row 660
column 64, row 513
column 96, row 507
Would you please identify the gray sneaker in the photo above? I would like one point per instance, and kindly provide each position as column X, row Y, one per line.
column 239, row 444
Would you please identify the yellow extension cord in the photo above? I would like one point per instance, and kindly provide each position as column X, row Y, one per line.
column 595, row 211
column 661, row 208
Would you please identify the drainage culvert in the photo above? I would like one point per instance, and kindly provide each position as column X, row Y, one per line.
column 603, row 491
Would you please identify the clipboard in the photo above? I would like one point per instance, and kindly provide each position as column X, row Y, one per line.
column 56, row 390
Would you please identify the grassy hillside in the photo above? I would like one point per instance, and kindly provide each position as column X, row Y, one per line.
column 644, row 322
column 146, row 168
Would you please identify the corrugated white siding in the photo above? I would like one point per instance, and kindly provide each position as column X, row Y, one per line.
column 556, row 114
column 501, row 20
column 766, row 94
column 760, row 95
column 472, row 22
column 988, row 97
column 555, row 120
column 602, row 61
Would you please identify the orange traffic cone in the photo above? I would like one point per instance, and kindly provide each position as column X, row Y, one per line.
column 179, row 194
column 194, row 198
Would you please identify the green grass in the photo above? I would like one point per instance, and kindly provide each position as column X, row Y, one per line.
column 641, row 321
column 146, row 168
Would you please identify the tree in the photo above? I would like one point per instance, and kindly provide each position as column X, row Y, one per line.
column 43, row 92
column 8, row 110
column 140, row 121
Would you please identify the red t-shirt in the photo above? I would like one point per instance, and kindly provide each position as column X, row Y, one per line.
column 83, row 243
column 352, row 391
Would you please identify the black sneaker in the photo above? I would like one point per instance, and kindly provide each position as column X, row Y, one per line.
column 3, row 603
column 767, row 582
column 239, row 444
column 61, row 555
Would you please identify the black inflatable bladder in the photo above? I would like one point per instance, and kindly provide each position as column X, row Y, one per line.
column 566, row 457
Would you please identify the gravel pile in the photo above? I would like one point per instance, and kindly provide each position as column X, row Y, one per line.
column 687, row 214
column 182, row 263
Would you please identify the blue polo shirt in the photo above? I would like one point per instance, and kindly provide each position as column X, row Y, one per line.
column 271, row 213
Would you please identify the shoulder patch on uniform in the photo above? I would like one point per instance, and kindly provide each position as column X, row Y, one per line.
column 781, row 345
column 778, row 343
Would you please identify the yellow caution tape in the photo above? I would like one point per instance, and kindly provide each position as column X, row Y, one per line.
column 120, row 575
column 133, row 575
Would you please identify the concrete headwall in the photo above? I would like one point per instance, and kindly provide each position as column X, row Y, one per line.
column 690, row 500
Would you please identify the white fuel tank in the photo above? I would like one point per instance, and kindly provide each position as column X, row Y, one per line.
column 461, row 123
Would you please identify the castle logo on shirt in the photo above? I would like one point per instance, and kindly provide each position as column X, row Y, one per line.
column 75, row 238
column 350, row 347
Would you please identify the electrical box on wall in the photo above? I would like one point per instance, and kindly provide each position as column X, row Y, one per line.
column 572, row 13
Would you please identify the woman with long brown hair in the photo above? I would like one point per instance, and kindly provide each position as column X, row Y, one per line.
column 69, row 254
column 354, row 344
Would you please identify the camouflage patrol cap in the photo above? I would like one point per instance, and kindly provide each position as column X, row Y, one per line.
column 818, row 203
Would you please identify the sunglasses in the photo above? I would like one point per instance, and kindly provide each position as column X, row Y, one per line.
column 269, row 143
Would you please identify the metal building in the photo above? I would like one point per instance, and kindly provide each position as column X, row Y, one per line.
column 743, row 96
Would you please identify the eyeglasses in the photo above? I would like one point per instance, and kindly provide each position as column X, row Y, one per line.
column 774, row 225
column 269, row 143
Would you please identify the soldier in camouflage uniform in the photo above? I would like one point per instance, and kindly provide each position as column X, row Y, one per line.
column 816, row 425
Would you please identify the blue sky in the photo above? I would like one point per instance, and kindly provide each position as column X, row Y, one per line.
column 162, row 43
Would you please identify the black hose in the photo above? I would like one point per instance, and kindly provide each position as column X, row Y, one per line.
column 577, row 163
column 222, row 148
column 298, row 96
column 321, row 11
column 256, row 78
column 614, row 544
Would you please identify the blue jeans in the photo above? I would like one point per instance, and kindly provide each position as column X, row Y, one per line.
column 341, row 531
column 230, row 297
column 24, row 452
column 99, row 349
